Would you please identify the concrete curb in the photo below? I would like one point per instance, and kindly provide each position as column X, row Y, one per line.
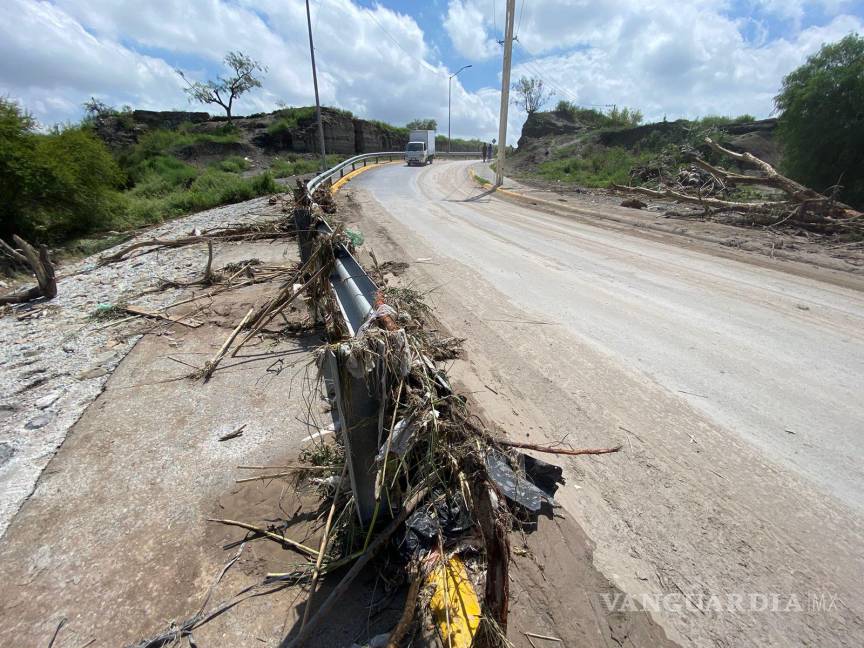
column 346, row 178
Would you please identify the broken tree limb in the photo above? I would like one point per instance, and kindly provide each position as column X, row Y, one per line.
column 269, row 534
column 798, row 192
column 322, row 549
column 237, row 234
column 185, row 320
column 41, row 266
column 560, row 451
column 801, row 206
column 362, row 561
column 274, row 307
column 760, row 207
column 233, row 435
column 407, row 618
column 210, row 365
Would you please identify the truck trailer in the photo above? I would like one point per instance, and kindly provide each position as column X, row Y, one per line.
column 421, row 147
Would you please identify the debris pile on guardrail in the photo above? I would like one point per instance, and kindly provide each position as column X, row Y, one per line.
column 410, row 472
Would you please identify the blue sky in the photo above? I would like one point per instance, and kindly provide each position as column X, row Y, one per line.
column 390, row 60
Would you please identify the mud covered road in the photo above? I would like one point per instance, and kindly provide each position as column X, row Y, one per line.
column 734, row 385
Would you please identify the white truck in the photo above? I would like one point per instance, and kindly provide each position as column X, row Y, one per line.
column 421, row 147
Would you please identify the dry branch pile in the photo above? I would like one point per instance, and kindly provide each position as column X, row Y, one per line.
column 802, row 207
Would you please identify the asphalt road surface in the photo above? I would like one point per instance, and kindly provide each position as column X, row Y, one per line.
column 737, row 389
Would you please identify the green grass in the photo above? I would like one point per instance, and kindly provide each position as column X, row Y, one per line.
column 233, row 164
column 158, row 144
column 293, row 165
column 598, row 167
column 289, row 118
column 210, row 188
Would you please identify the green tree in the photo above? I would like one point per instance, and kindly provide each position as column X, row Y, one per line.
column 223, row 91
column 54, row 185
column 531, row 95
column 422, row 124
column 821, row 124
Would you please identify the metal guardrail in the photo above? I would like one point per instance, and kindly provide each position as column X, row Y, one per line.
column 353, row 162
column 356, row 407
column 342, row 168
column 355, row 290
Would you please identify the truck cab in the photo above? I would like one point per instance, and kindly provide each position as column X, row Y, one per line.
column 420, row 149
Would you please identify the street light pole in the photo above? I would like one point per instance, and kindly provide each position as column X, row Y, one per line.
column 317, row 101
column 449, row 95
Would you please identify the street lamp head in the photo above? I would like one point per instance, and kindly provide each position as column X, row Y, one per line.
column 464, row 67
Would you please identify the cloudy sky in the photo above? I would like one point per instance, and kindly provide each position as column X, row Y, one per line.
column 390, row 60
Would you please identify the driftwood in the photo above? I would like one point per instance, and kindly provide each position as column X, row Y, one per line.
column 247, row 233
column 288, row 542
column 561, row 451
column 39, row 263
column 802, row 206
column 210, row 366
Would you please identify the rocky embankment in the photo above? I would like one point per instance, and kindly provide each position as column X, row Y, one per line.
column 545, row 134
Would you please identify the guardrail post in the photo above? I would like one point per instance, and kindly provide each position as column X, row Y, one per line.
column 358, row 414
column 303, row 223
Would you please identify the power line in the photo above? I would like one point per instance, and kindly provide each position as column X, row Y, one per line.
column 559, row 90
column 399, row 45
column 494, row 20
column 519, row 24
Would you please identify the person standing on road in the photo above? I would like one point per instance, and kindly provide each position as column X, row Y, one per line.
column 483, row 150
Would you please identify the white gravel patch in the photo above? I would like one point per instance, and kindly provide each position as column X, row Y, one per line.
column 57, row 362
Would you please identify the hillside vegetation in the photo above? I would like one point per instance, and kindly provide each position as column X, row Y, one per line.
column 67, row 184
column 589, row 148
column 123, row 169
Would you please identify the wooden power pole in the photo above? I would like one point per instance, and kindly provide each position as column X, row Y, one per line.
column 315, row 83
column 505, row 92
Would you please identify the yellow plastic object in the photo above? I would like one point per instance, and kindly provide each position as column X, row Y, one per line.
column 454, row 604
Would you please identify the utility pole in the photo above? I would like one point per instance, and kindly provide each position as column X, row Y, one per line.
column 315, row 83
column 449, row 93
column 505, row 92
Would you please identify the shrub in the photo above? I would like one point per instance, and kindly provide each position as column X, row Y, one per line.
column 294, row 165
column 290, row 118
column 54, row 185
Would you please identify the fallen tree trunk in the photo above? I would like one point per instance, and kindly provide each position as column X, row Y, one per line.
column 802, row 206
column 41, row 266
column 241, row 234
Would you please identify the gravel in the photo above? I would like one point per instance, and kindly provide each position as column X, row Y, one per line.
column 56, row 358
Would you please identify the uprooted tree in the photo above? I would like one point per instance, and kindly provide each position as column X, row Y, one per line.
column 39, row 264
column 801, row 206
column 224, row 90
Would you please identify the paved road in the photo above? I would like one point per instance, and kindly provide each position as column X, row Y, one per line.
column 739, row 390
